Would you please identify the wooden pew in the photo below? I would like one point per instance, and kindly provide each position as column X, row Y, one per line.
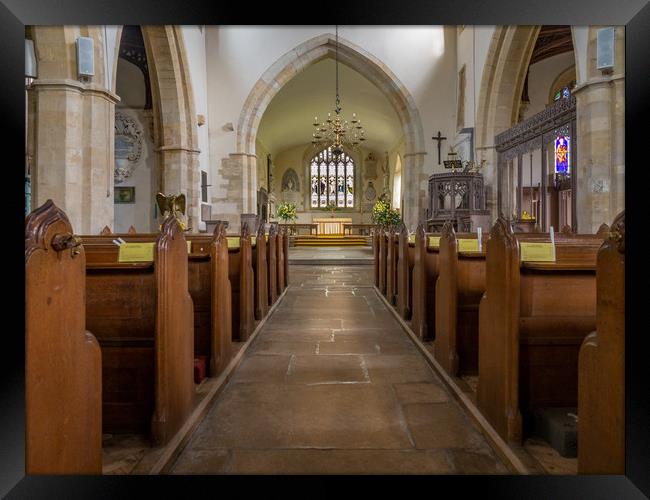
column 601, row 368
column 272, row 264
column 405, row 263
column 459, row 288
column 279, row 247
column 425, row 274
column 391, row 266
column 209, row 287
column 285, row 254
column 63, row 365
column 142, row 315
column 240, row 271
column 261, row 286
column 383, row 247
column 532, row 319
column 375, row 251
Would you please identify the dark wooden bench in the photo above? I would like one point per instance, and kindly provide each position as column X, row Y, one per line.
column 209, row 287
column 459, row 288
column 63, row 361
column 260, row 269
column 142, row 315
column 211, row 294
column 601, row 368
column 242, row 284
column 533, row 318
column 405, row 264
column 382, row 247
column 425, row 274
column 392, row 254
column 272, row 264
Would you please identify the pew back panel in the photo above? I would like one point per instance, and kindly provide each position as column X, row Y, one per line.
column 63, row 385
column 272, row 264
column 601, row 379
column 533, row 318
column 459, row 288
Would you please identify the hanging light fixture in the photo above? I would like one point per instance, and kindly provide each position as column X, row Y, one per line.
column 335, row 132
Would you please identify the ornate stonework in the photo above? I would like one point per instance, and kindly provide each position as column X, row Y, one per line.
column 128, row 146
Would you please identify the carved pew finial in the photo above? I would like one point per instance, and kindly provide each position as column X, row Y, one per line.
column 106, row 231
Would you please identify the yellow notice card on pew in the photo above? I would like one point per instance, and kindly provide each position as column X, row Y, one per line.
column 411, row 238
column 136, row 252
column 467, row 245
column 253, row 240
column 434, row 241
column 233, row 241
column 266, row 237
column 536, row 252
column 189, row 247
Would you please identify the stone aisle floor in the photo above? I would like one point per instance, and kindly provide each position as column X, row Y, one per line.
column 333, row 385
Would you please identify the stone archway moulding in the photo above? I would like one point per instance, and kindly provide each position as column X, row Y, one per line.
column 311, row 52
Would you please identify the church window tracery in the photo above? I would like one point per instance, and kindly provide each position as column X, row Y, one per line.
column 332, row 180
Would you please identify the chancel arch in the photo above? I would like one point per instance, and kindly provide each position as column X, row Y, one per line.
column 303, row 57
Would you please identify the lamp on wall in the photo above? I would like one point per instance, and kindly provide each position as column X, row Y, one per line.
column 335, row 132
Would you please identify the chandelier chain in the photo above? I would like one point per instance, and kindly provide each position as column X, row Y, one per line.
column 336, row 132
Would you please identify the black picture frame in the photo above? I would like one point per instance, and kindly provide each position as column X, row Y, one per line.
column 124, row 194
column 634, row 14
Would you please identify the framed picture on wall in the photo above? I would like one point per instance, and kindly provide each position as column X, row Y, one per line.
column 125, row 194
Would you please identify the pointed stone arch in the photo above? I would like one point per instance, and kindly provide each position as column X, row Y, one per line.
column 350, row 54
column 175, row 126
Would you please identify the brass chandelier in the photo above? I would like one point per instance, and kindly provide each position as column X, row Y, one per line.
column 335, row 132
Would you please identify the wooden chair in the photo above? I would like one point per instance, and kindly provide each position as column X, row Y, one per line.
column 601, row 369
column 63, row 365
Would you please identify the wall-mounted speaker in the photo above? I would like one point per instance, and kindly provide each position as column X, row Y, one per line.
column 605, row 48
column 85, row 57
column 30, row 60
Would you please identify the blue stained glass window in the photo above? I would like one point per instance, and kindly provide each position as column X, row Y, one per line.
column 562, row 155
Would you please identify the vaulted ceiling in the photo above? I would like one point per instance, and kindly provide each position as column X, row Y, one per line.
column 287, row 122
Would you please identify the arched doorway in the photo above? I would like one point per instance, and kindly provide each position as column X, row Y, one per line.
column 136, row 175
column 174, row 124
column 302, row 57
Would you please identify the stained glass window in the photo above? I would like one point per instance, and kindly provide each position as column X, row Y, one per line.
column 332, row 180
column 563, row 93
column 562, row 155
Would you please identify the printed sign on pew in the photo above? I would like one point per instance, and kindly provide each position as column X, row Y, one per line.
column 140, row 252
column 532, row 251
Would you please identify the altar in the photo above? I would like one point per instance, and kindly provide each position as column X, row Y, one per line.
column 331, row 225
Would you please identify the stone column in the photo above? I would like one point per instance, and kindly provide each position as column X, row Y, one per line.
column 236, row 194
column 600, row 120
column 73, row 143
column 414, row 189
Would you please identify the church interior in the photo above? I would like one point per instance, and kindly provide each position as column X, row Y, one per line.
column 325, row 249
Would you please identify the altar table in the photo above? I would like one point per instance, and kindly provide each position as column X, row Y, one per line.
column 331, row 225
